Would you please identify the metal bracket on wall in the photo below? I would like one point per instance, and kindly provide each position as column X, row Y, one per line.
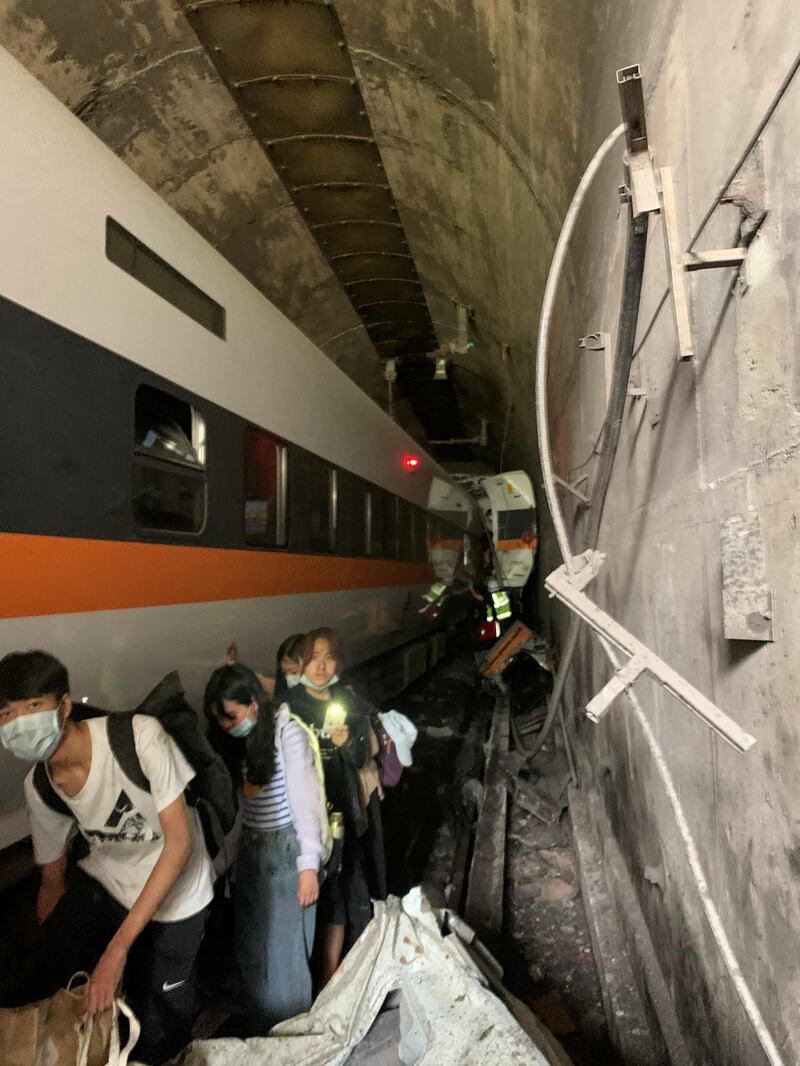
column 644, row 194
column 641, row 660
column 600, row 342
column 572, row 488
column 680, row 263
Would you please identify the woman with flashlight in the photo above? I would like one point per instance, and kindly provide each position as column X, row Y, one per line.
column 284, row 842
column 336, row 716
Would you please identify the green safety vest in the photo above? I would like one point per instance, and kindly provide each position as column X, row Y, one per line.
column 502, row 605
column 434, row 593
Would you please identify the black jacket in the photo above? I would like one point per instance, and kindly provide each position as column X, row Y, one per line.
column 341, row 765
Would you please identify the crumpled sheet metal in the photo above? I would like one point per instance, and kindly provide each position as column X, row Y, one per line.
column 449, row 1016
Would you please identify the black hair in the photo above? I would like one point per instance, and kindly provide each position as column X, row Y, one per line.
column 240, row 684
column 291, row 648
column 24, row 675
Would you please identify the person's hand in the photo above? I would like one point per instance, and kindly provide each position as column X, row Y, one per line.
column 307, row 888
column 231, row 653
column 49, row 895
column 267, row 683
column 339, row 734
column 105, row 979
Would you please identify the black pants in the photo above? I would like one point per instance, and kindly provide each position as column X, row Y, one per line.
column 160, row 972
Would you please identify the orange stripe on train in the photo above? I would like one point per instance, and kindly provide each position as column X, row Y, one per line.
column 64, row 575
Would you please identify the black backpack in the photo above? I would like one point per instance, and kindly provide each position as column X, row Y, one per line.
column 210, row 791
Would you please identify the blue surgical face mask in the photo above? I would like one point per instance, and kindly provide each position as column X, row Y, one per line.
column 33, row 737
column 318, row 688
column 292, row 680
column 241, row 729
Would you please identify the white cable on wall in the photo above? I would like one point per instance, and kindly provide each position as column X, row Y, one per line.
column 545, row 321
column 712, row 914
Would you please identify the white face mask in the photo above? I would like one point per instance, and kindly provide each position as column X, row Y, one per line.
column 33, row 737
column 241, row 729
column 292, row 680
column 318, row 688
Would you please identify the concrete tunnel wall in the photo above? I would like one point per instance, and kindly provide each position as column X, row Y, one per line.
column 485, row 114
column 716, row 437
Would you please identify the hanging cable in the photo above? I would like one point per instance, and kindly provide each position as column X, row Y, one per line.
column 624, row 354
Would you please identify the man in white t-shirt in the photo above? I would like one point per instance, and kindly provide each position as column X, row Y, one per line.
column 134, row 909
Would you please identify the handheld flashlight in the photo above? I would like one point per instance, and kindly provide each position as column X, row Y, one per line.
column 334, row 715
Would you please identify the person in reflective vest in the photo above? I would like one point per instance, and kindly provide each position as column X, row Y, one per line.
column 501, row 602
column 434, row 598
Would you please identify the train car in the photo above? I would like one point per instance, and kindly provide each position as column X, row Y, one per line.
column 179, row 465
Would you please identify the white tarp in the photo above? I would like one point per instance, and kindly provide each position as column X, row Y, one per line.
column 448, row 1014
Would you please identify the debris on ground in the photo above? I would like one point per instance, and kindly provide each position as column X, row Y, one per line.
column 550, row 965
column 452, row 1009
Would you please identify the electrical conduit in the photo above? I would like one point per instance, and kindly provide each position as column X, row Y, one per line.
column 634, row 267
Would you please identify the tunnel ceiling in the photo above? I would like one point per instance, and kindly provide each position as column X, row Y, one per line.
column 369, row 167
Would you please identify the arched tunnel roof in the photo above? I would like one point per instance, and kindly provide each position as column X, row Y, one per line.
column 368, row 167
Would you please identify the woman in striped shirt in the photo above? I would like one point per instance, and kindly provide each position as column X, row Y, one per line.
column 284, row 842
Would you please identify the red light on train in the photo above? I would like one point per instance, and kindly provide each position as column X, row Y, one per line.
column 411, row 462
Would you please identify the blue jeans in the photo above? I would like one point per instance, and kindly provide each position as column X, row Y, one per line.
column 274, row 936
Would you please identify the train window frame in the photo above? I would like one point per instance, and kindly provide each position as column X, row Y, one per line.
column 274, row 536
column 189, row 420
column 147, row 267
column 312, row 470
column 351, row 524
column 405, row 529
column 368, row 552
column 393, row 552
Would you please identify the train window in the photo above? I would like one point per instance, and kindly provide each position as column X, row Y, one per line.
column 264, row 489
column 351, row 522
column 389, row 531
column 375, row 522
column 169, row 478
column 420, row 547
column 405, row 530
column 322, row 504
column 129, row 254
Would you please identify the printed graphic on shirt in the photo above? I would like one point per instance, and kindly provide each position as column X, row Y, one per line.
column 124, row 824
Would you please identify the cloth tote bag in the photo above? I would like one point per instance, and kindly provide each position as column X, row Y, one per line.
column 59, row 1032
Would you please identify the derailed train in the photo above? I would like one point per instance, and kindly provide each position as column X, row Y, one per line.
column 179, row 465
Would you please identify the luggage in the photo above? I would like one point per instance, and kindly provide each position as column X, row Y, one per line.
column 58, row 1032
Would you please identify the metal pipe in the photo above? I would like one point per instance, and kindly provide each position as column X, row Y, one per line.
column 622, row 364
column 543, row 425
column 545, row 327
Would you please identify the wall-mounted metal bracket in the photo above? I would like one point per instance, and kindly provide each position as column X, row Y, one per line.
column 572, row 489
column 642, row 178
column 673, row 250
column 595, row 342
column 679, row 263
column 568, row 588
column 600, row 342
column 725, row 257
column 639, row 161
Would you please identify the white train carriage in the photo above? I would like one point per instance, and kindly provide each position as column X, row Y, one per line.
column 179, row 465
